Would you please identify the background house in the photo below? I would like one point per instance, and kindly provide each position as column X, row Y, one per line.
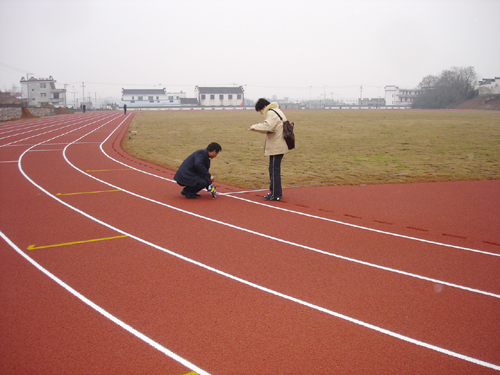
column 42, row 91
column 150, row 98
column 401, row 97
column 489, row 86
column 220, row 96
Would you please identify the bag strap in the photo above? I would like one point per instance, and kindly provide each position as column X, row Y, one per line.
column 277, row 114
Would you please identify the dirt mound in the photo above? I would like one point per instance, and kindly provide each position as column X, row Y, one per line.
column 25, row 113
column 488, row 102
column 63, row 111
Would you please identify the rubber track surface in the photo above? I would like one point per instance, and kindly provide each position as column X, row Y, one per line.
column 105, row 268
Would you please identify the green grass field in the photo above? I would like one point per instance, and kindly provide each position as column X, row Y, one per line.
column 334, row 147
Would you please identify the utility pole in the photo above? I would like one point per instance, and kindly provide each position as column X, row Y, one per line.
column 28, row 87
column 65, row 103
column 83, row 91
column 361, row 95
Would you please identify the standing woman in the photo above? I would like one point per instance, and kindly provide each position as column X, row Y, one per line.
column 275, row 146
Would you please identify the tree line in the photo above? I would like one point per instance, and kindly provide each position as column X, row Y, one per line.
column 447, row 90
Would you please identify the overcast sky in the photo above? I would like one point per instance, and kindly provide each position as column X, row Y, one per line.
column 296, row 49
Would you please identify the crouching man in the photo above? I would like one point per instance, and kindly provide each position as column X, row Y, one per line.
column 194, row 173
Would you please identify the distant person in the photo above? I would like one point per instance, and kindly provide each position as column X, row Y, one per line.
column 84, row 108
column 275, row 146
column 124, row 109
column 194, row 173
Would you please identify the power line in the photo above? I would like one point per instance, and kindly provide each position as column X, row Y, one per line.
column 13, row 68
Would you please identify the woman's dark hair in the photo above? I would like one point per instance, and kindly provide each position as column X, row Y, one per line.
column 214, row 147
column 261, row 104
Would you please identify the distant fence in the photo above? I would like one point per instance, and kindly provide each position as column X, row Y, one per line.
column 284, row 107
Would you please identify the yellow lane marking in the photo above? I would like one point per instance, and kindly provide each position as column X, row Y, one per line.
column 191, row 373
column 88, row 192
column 33, row 247
column 107, row 170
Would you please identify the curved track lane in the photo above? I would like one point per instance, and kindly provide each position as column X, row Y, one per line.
column 368, row 279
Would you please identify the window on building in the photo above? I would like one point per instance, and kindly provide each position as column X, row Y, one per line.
column 56, row 95
column 221, row 97
column 133, row 98
column 150, row 98
column 157, row 98
column 239, row 96
column 43, row 95
column 203, row 97
column 43, row 85
column 139, row 98
column 230, row 97
column 212, row 97
column 171, row 99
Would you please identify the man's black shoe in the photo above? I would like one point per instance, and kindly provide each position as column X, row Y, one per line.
column 189, row 196
column 268, row 198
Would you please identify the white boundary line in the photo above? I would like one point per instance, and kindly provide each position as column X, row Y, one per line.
column 368, row 229
column 69, row 123
column 373, row 265
column 106, row 314
column 259, row 287
column 230, row 194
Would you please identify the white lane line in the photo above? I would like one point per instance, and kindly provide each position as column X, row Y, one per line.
column 368, row 229
column 105, row 313
column 74, row 292
column 264, row 289
column 244, row 191
column 24, row 131
column 230, row 194
column 52, row 124
column 373, row 265
column 59, row 128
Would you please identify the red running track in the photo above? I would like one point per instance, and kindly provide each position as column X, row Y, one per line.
column 107, row 269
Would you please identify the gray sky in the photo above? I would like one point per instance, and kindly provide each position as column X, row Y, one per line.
column 291, row 48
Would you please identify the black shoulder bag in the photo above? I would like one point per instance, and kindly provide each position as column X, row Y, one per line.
column 287, row 132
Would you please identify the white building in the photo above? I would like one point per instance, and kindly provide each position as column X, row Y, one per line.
column 150, row 98
column 489, row 86
column 220, row 96
column 400, row 97
column 42, row 91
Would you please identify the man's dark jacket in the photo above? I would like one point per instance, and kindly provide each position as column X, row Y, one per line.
column 194, row 170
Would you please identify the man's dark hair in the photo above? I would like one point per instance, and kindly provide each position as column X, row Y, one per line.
column 214, row 147
column 261, row 104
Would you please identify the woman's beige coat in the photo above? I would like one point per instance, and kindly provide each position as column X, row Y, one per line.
column 273, row 127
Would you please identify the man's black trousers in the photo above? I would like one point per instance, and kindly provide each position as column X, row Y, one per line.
column 275, row 176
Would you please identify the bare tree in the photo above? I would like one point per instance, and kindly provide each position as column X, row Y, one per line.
column 447, row 90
